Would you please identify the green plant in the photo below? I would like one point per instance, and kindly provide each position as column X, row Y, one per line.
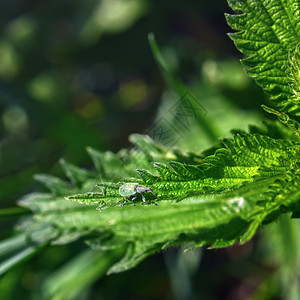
column 218, row 197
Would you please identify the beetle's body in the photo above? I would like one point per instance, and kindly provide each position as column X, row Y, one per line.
column 131, row 190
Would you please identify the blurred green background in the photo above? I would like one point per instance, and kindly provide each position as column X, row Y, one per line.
column 81, row 73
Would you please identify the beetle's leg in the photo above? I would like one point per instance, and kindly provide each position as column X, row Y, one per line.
column 132, row 199
column 147, row 202
column 153, row 194
column 127, row 198
column 143, row 197
column 122, row 204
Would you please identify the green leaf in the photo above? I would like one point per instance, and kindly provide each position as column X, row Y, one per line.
column 220, row 200
column 285, row 119
column 21, row 256
column 76, row 175
column 276, row 130
column 217, row 200
column 188, row 100
column 108, row 165
column 78, row 274
column 295, row 74
column 56, row 185
column 280, row 243
column 246, row 158
column 268, row 34
column 173, row 82
column 12, row 244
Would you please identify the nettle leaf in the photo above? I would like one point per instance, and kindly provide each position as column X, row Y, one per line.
column 217, row 198
column 285, row 119
column 268, row 33
column 222, row 200
column 246, row 158
column 76, row 175
column 275, row 130
column 74, row 277
column 295, row 74
column 115, row 167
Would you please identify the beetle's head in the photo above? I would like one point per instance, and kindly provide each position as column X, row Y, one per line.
column 149, row 189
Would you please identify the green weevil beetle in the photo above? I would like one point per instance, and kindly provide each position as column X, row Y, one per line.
column 130, row 191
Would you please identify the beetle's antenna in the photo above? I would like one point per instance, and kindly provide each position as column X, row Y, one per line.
column 153, row 194
column 155, row 181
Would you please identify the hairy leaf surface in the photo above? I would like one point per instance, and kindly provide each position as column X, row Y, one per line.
column 268, row 33
column 217, row 200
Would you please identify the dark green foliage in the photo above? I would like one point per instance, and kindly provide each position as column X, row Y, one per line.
column 268, row 33
column 216, row 198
